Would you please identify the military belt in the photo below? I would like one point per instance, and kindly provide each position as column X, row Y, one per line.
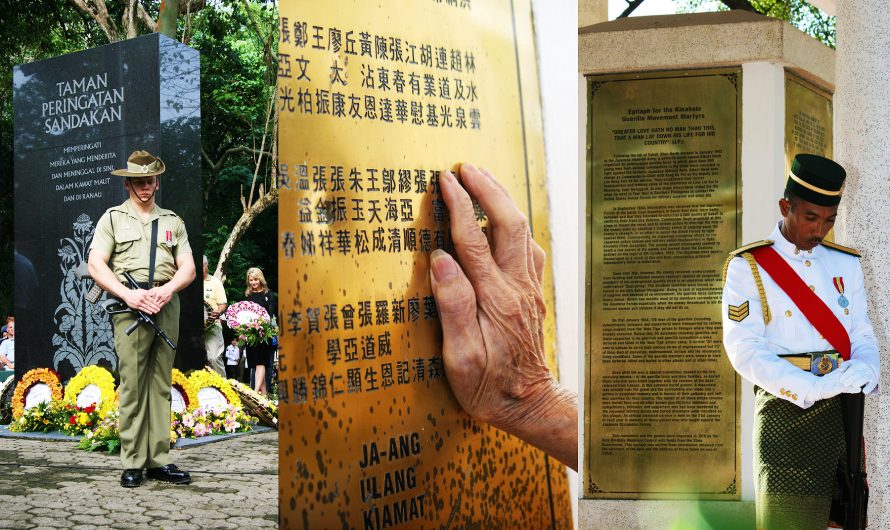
column 817, row 363
column 145, row 285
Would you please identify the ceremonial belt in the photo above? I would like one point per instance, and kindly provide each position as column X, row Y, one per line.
column 819, row 314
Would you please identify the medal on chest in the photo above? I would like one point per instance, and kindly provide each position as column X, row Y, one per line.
column 839, row 285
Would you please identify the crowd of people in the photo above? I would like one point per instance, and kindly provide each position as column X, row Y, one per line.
column 253, row 365
column 7, row 344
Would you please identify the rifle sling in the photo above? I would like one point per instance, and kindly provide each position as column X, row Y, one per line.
column 154, row 251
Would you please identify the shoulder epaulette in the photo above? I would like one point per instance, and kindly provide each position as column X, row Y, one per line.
column 841, row 248
column 743, row 253
column 752, row 246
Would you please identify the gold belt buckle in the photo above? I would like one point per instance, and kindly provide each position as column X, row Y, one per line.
column 817, row 363
column 824, row 363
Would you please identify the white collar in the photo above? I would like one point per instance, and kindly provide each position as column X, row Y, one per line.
column 789, row 250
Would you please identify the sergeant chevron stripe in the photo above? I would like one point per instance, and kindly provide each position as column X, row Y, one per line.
column 738, row 312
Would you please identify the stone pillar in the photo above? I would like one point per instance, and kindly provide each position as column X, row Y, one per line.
column 862, row 134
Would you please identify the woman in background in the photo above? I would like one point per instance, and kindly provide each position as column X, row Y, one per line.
column 260, row 356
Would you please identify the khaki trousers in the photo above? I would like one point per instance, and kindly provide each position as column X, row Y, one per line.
column 145, row 364
column 216, row 349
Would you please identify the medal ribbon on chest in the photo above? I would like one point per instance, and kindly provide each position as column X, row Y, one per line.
column 839, row 285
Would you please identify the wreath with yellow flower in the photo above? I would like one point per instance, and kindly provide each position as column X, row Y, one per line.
column 186, row 390
column 257, row 405
column 36, row 376
column 201, row 379
column 95, row 375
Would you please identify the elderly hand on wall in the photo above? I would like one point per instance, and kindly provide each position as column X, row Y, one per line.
column 491, row 306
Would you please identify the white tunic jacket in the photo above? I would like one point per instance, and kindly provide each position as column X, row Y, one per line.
column 754, row 347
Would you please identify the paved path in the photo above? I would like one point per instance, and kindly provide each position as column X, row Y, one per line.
column 52, row 484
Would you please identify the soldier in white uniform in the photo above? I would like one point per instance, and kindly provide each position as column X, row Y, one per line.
column 798, row 375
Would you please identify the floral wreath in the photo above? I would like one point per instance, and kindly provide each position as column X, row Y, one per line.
column 245, row 312
column 200, row 379
column 47, row 376
column 256, row 404
column 93, row 375
column 186, row 388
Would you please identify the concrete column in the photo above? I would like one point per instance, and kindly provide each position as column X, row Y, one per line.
column 763, row 166
column 862, row 146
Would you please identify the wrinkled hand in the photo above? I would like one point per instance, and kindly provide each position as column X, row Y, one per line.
column 859, row 375
column 492, row 310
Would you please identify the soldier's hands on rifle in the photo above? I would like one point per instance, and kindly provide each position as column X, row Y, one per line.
column 161, row 295
column 138, row 299
column 491, row 307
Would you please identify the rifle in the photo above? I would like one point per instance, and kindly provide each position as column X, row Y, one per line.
column 113, row 306
column 855, row 501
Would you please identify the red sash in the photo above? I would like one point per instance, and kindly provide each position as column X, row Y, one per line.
column 819, row 314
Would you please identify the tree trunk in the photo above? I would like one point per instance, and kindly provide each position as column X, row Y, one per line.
column 167, row 17
column 267, row 197
column 243, row 224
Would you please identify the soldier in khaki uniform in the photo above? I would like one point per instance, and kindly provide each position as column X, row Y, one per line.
column 216, row 302
column 123, row 242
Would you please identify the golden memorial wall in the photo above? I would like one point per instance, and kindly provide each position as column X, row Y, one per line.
column 375, row 99
column 808, row 123
column 662, row 400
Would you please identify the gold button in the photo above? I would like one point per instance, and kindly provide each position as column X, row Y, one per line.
column 797, row 251
column 846, row 311
column 788, row 313
column 807, row 263
column 812, row 287
column 794, row 397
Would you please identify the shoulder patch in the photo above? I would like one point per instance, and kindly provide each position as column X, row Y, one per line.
column 751, row 246
column 841, row 248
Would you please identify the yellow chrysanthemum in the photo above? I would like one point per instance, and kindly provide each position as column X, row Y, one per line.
column 208, row 379
column 186, row 388
column 38, row 375
column 93, row 375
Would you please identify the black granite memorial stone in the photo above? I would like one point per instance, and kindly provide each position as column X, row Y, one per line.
column 77, row 117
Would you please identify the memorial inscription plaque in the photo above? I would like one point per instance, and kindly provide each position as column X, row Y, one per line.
column 77, row 117
column 662, row 399
column 808, row 123
column 808, row 120
column 376, row 99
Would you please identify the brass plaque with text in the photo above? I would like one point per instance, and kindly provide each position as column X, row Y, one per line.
column 375, row 99
column 808, row 120
column 808, row 123
column 662, row 399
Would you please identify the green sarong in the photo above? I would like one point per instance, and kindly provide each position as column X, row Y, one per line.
column 796, row 457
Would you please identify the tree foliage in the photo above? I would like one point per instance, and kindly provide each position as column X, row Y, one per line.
column 799, row 13
column 238, row 45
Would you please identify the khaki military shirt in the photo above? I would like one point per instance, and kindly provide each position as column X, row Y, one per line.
column 214, row 294
column 126, row 238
